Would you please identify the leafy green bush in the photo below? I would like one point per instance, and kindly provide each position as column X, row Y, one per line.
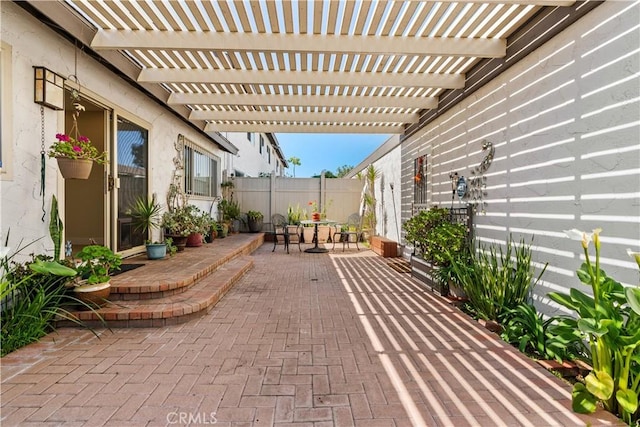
column 184, row 220
column 97, row 262
column 229, row 208
column 255, row 215
column 496, row 280
column 610, row 322
column 553, row 338
column 32, row 295
column 434, row 235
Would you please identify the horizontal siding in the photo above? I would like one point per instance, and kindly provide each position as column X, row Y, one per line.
column 565, row 124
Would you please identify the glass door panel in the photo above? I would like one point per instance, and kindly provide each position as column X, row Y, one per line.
column 133, row 179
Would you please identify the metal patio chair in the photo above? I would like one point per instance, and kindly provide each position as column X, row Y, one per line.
column 353, row 227
column 282, row 229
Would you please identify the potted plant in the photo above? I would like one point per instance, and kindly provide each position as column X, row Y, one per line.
column 145, row 214
column 230, row 211
column 75, row 153
column 255, row 221
column 211, row 228
column 178, row 224
column 96, row 262
column 199, row 223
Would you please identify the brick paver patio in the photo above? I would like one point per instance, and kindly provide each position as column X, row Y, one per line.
column 302, row 339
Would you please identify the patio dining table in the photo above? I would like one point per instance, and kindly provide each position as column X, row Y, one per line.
column 316, row 249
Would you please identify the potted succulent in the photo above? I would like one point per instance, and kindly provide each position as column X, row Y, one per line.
column 178, row 223
column 96, row 262
column 145, row 215
column 199, row 226
column 75, row 153
column 255, row 221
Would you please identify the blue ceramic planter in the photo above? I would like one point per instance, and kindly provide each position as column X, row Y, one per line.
column 156, row 250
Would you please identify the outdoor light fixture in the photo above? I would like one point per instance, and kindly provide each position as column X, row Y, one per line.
column 48, row 88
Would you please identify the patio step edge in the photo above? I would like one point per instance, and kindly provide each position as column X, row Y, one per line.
column 171, row 310
column 123, row 290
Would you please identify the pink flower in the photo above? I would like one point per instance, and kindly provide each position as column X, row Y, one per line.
column 62, row 137
column 83, row 138
column 77, row 149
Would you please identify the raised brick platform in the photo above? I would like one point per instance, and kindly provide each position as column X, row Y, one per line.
column 176, row 289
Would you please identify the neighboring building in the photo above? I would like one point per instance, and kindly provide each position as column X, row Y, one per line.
column 259, row 154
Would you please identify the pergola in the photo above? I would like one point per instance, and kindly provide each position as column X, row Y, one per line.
column 303, row 66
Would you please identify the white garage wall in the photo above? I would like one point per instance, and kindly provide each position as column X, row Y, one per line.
column 565, row 125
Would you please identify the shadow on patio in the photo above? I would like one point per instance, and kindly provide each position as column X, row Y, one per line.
column 314, row 339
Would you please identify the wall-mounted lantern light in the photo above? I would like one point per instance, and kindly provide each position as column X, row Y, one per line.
column 48, row 88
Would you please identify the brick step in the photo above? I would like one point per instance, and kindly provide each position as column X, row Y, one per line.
column 174, row 275
column 170, row 310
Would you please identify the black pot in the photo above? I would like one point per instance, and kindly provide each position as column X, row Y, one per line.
column 255, row 225
column 179, row 241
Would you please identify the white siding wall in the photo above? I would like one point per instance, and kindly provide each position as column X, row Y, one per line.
column 388, row 201
column 33, row 44
column 249, row 160
column 564, row 122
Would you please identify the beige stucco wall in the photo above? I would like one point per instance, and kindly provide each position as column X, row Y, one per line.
column 33, row 44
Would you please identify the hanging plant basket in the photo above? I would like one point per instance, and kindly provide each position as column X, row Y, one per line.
column 74, row 168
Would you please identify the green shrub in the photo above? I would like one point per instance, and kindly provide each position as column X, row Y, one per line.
column 32, row 295
column 434, row 235
column 553, row 338
column 496, row 281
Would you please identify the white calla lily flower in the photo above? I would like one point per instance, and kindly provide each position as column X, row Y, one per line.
column 634, row 255
column 583, row 236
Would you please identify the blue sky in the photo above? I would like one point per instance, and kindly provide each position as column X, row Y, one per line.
column 327, row 151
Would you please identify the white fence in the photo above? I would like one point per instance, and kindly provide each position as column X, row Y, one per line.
column 338, row 197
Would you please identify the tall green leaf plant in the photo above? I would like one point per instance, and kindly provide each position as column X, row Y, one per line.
column 609, row 320
column 496, row 280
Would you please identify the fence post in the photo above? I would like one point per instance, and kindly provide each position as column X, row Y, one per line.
column 323, row 192
column 272, row 192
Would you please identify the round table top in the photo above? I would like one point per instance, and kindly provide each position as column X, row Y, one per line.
column 322, row 221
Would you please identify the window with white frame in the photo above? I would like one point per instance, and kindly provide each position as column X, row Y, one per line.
column 269, row 155
column 200, row 171
column 261, row 144
column 6, row 147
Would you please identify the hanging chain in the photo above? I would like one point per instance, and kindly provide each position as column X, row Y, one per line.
column 43, row 164
column 42, row 151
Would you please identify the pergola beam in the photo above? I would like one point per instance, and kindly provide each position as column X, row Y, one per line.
column 360, row 101
column 314, row 78
column 296, row 116
column 303, row 128
column 307, row 43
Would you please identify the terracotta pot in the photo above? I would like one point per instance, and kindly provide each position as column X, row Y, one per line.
column 315, row 216
column 308, row 234
column 194, row 240
column 74, row 168
column 93, row 295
